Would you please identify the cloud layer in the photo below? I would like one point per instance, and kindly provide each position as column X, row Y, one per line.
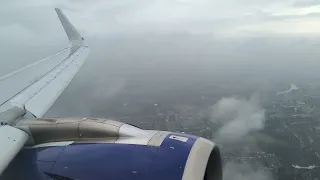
column 227, row 18
column 233, row 171
column 260, row 26
column 238, row 117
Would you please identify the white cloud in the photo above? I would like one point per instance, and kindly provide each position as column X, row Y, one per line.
column 297, row 11
column 234, row 171
column 238, row 117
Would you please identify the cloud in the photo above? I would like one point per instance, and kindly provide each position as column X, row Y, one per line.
column 236, row 171
column 306, row 3
column 221, row 18
column 238, row 117
column 298, row 11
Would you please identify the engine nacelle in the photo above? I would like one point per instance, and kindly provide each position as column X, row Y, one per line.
column 87, row 148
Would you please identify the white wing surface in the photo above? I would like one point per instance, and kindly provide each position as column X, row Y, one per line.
column 34, row 88
column 12, row 141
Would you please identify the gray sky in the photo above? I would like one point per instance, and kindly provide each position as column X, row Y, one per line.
column 257, row 33
column 33, row 24
column 223, row 18
column 165, row 38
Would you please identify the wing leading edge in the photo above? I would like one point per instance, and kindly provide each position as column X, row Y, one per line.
column 34, row 88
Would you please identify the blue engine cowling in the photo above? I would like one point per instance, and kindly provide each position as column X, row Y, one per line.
column 178, row 156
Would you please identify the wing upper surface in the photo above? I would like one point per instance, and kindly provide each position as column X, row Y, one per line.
column 15, row 82
column 39, row 97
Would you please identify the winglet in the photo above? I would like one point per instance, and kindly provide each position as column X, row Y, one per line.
column 74, row 37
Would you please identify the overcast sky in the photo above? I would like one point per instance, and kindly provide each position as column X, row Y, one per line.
column 33, row 23
column 165, row 38
column 225, row 18
column 259, row 33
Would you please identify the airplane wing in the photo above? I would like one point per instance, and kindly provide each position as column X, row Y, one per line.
column 33, row 89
